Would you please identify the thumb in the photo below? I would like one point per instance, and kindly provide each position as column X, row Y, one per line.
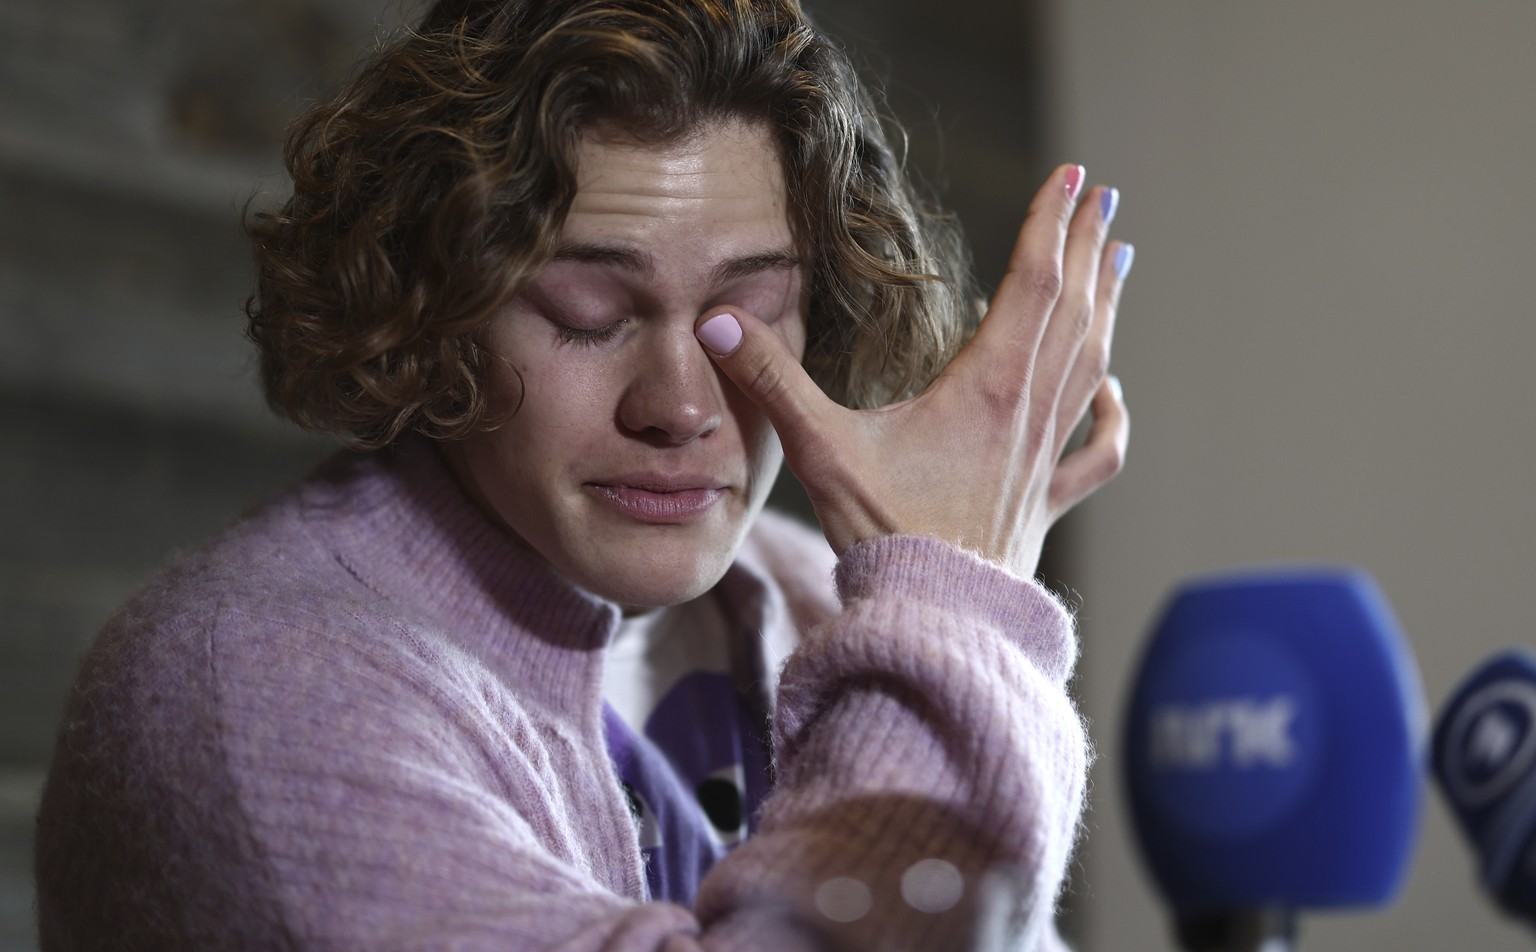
column 763, row 368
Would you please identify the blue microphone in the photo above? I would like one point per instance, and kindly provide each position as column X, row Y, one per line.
column 1485, row 762
column 1274, row 753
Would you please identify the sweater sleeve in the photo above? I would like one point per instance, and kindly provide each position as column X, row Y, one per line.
column 248, row 784
column 931, row 765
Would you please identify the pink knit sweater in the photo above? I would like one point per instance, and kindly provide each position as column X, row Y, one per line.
column 364, row 718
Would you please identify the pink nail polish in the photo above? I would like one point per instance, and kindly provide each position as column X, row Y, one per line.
column 721, row 334
column 1074, row 180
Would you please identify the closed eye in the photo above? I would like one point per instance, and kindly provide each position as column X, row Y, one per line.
column 590, row 336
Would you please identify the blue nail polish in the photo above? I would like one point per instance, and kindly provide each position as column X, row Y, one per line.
column 1123, row 259
column 1108, row 202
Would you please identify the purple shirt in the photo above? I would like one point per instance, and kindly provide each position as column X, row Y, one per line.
column 695, row 780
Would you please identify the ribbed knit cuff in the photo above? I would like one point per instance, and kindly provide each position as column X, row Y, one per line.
column 940, row 574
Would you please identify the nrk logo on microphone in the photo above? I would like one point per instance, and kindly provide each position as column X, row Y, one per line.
column 1274, row 743
column 1232, row 733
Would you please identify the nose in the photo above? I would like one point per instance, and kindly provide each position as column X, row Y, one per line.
column 674, row 394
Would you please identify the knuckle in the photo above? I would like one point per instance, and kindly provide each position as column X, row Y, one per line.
column 1094, row 358
column 766, row 383
column 1081, row 309
column 1046, row 281
column 769, row 385
column 1003, row 396
column 1097, row 467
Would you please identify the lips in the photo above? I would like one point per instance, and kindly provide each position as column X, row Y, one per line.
column 659, row 499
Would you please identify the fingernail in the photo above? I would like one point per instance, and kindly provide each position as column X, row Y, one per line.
column 1074, row 180
column 1108, row 203
column 1115, row 385
column 1123, row 259
column 721, row 334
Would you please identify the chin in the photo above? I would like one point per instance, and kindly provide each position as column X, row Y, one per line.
column 663, row 583
column 651, row 566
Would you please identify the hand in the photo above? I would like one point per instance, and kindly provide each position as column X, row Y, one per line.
column 977, row 458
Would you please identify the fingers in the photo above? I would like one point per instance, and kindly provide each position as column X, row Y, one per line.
column 1091, row 363
column 1010, row 334
column 1076, row 308
column 763, row 368
column 1102, row 454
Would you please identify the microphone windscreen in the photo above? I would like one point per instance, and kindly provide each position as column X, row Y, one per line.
column 1485, row 762
column 1274, row 744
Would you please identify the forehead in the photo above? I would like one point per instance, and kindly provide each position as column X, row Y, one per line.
column 725, row 179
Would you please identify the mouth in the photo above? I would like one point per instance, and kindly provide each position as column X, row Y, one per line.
column 659, row 500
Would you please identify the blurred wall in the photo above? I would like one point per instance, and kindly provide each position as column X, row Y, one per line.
column 1325, row 346
column 132, row 132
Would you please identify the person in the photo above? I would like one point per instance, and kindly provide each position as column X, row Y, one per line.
column 528, row 666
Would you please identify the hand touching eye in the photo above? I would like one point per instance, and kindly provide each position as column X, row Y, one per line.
column 979, row 458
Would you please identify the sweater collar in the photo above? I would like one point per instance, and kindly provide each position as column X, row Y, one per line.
column 401, row 524
column 398, row 521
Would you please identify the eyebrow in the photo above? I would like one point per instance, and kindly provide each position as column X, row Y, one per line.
column 643, row 264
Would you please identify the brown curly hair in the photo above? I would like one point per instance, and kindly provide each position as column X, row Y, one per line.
column 437, row 181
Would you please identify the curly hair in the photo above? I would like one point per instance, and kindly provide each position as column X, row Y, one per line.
column 436, row 182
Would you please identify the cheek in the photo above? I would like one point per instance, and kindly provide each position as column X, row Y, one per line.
column 506, row 375
column 532, row 380
column 506, row 389
column 760, row 446
column 564, row 410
